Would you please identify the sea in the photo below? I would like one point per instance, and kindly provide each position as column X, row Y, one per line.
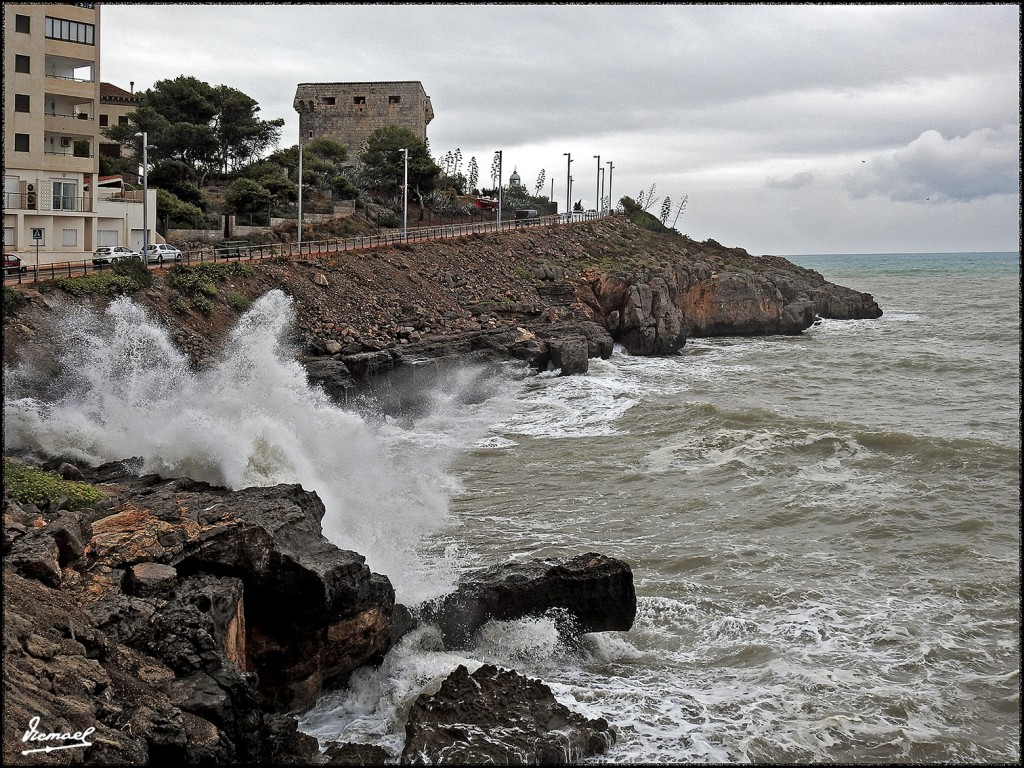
column 823, row 529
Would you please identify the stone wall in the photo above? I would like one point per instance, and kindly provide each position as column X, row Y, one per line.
column 349, row 112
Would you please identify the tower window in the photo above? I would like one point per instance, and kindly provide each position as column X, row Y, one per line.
column 21, row 63
column 358, row 99
column 394, row 99
column 330, row 101
column 21, row 142
column 22, row 23
column 21, row 102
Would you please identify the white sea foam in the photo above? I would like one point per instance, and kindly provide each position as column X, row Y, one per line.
column 251, row 420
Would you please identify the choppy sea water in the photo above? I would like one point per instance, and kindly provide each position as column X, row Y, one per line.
column 824, row 530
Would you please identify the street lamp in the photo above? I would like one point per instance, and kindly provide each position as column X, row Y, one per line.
column 597, row 191
column 144, row 135
column 611, row 206
column 568, row 184
column 498, row 153
column 405, row 198
column 300, row 194
column 600, row 200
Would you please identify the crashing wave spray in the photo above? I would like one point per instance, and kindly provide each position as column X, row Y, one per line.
column 251, row 420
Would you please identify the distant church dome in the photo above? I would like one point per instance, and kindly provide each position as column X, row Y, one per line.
column 514, row 180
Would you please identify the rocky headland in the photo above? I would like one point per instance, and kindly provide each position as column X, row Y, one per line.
column 185, row 623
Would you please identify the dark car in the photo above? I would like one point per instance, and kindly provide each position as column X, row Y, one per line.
column 13, row 265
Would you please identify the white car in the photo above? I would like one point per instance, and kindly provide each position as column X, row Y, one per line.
column 158, row 253
column 111, row 254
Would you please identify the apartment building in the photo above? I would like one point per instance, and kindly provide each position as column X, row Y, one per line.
column 55, row 210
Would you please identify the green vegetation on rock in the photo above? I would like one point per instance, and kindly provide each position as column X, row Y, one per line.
column 39, row 487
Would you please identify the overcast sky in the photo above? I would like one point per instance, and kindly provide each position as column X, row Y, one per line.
column 793, row 129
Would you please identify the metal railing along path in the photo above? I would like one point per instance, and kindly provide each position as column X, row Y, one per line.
column 236, row 251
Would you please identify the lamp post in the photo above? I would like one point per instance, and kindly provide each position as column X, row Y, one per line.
column 600, row 200
column 611, row 205
column 144, row 135
column 568, row 184
column 300, row 194
column 498, row 153
column 597, row 181
column 405, row 198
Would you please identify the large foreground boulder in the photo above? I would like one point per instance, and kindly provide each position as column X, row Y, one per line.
column 587, row 593
column 498, row 717
column 181, row 620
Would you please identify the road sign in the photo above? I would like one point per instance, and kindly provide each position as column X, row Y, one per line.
column 37, row 234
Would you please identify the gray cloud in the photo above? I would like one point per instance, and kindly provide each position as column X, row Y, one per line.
column 795, row 181
column 712, row 101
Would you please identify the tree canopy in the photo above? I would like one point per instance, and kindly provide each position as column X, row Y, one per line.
column 383, row 163
column 210, row 128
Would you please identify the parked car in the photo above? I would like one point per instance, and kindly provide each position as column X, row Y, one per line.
column 158, row 253
column 13, row 265
column 111, row 254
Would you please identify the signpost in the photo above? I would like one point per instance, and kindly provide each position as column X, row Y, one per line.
column 37, row 235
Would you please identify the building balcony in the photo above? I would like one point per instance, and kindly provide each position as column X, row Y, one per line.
column 46, row 203
column 79, row 124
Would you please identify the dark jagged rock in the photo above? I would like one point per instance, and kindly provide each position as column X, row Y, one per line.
column 592, row 592
column 498, row 717
column 181, row 618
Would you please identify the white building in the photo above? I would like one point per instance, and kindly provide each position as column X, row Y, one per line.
column 52, row 140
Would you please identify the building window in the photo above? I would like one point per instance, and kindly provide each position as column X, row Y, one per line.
column 21, row 102
column 358, row 99
column 21, row 63
column 70, row 238
column 9, row 236
column 63, row 196
column 22, row 23
column 394, row 99
column 104, row 121
column 21, row 142
column 330, row 101
column 122, row 120
column 72, row 31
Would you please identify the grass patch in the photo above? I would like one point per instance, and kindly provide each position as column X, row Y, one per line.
column 39, row 487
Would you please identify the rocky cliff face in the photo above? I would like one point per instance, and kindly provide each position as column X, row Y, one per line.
column 552, row 297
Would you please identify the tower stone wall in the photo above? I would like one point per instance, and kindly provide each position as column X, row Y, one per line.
column 349, row 112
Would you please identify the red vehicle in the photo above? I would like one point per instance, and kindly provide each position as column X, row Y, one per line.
column 13, row 265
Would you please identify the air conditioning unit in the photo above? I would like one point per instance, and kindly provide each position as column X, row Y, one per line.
column 30, row 188
column 65, row 141
column 30, row 200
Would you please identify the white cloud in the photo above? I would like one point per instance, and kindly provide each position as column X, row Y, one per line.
column 983, row 163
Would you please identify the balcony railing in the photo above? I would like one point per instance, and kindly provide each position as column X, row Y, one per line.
column 34, row 201
column 66, row 151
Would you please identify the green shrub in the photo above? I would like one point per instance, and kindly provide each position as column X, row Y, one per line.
column 36, row 486
column 103, row 283
column 237, row 301
column 178, row 305
column 136, row 269
column 11, row 299
column 202, row 303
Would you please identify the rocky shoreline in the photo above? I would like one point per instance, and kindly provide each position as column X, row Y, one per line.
column 187, row 623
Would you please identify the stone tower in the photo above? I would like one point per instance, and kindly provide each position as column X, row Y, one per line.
column 349, row 112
